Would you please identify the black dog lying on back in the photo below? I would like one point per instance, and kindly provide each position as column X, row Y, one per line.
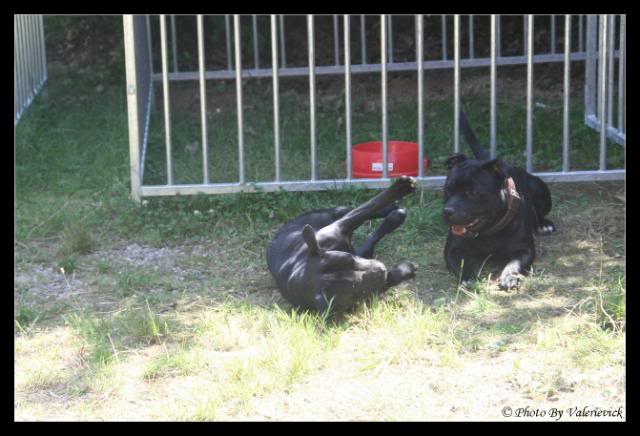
column 492, row 209
column 315, row 265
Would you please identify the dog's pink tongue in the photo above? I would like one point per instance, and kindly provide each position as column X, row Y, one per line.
column 458, row 229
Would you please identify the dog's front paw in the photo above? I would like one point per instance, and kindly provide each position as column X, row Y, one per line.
column 545, row 228
column 509, row 280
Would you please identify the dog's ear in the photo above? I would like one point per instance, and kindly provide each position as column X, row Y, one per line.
column 309, row 236
column 454, row 160
column 496, row 167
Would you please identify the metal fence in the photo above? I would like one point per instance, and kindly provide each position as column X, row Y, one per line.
column 595, row 46
column 29, row 62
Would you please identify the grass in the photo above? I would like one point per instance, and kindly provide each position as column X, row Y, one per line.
column 165, row 310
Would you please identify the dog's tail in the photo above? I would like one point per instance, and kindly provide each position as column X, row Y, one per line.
column 472, row 139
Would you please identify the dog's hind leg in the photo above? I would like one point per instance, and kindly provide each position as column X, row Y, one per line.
column 392, row 221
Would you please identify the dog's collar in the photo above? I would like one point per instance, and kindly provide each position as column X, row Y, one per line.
column 513, row 202
column 513, row 199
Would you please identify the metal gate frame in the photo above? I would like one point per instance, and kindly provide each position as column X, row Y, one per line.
column 29, row 62
column 140, row 80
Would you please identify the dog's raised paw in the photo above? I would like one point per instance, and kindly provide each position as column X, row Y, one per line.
column 405, row 184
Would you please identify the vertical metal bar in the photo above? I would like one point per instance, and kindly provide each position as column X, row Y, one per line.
column 347, row 92
column 363, row 40
column 420, row 61
column 456, row 83
column 19, row 51
column 148, row 19
column 276, row 95
column 132, row 106
column 30, row 53
column 256, row 52
column 17, row 67
column 228, row 35
column 471, row 41
column 444, row 37
column 336, row 37
column 25, row 57
column 493, row 86
column 591, row 87
column 567, row 92
column 383, row 64
column 240, row 109
column 525, row 33
column 390, row 37
column 621, row 71
column 165, row 93
column 43, row 58
column 529, row 92
column 602, row 97
column 553, row 33
column 610, row 74
column 312, row 93
column 580, row 33
column 203, row 103
column 174, row 44
column 498, row 38
column 283, row 53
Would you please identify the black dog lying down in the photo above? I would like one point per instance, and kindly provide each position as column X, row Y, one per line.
column 492, row 209
column 315, row 265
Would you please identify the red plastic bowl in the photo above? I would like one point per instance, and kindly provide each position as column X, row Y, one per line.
column 402, row 159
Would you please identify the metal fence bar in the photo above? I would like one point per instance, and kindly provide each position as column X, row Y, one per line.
column 525, row 30
column 553, row 33
column 590, row 85
column 283, row 53
column 240, row 109
column 383, row 62
column 420, row 61
column 567, row 92
column 602, row 95
column 23, row 65
column 456, row 83
column 174, row 43
column 376, row 68
column 610, row 74
column 165, row 91
column 256, row 51
column 148, row 19
column 363, row 40
column 390, row 38
column 276, row 94
column 228, row 38
column 444, row 37
column 132, row 106
column 17, row 64
column 203, row 103
column 580, row 33
column 529, row 92
column 471, row 42
column 499, row 38
column 347, row 92
column 494, row 74
column 307, row 185
column 622, row 72
column 312, row 93
column 336, row 38
column 385, row 121
column 30, row 54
